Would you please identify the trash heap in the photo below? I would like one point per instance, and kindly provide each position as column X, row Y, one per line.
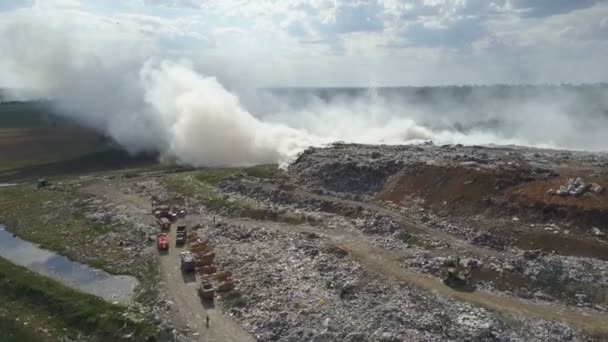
column 576, row 187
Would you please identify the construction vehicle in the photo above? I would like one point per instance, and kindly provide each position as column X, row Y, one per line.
column 206, row 291
column 164, row 223
column 172, row 215
column 41, row 183
column 180, row 236
column 188, row 261
column 162, row 242
column 456, row 275
column 160, row 211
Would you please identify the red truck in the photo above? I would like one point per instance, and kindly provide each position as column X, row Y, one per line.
column 162, row 242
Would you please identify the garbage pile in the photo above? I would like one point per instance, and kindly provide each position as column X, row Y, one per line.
column 576, row 187
column 297, row 286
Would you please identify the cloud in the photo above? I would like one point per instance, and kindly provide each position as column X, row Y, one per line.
column 545, row 8
column 349, row 42
column 10, row 5
column 349, row 17
column 455, row 34
column 173, row 3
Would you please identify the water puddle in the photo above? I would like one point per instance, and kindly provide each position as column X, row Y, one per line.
column 113, row 288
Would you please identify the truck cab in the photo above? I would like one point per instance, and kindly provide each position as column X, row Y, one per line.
column 162, row 242
column 180, row 235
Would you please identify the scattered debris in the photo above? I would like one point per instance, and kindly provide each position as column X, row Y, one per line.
column 576, row 187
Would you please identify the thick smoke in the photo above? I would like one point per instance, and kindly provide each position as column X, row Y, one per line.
column 158, row 105
column 166, row 107
column 148, row 106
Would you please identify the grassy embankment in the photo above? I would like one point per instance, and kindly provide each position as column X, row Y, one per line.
column 202, row 185
column 48, row 217
column 36, row 308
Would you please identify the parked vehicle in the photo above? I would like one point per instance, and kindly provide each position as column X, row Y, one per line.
column 162, row 241
column 180, row 236
column 188, row 261
column 164, row 223
column 206, row 291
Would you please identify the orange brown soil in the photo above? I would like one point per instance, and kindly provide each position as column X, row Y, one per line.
column 464, row 190
column 590, row 208
column 447, row 186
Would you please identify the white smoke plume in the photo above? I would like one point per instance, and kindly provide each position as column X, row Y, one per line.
column 153, row 104
column 166, row 107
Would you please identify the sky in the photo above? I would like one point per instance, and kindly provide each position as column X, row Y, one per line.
column 334, row 43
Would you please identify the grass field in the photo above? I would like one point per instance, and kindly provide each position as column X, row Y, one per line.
column 36, row 143
column 39, row 302
column 31, row 135
column 28, row 114
column 202, row 185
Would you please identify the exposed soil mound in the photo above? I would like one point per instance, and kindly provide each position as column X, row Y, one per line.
column 590, row 207
column 443, row 187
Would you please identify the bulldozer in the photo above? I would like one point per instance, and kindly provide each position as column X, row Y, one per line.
column 456, row 275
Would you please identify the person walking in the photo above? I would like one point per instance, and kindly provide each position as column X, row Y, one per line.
column 207, row 322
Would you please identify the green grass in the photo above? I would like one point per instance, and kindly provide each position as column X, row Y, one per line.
column 53, row 151
column 148, row 292
column 198, row 187
column 202, row 185
column 77, row 311
column 268, row 171
column 21, row 322
column 48, row 217
column 215, row 176
column 12, row 330
column 30, row 134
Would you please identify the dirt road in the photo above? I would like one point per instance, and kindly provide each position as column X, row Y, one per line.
column 407, row 224
column 188, row 311
column 375, row 260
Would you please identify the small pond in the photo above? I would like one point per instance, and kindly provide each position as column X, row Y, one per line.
column 113, row 288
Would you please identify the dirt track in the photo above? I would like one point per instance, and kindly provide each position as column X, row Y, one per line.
column 414, row 228
column 188, row 311
column 189, row 308
column 374, row 259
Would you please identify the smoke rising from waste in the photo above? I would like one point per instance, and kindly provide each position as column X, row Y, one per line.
column 166, row 106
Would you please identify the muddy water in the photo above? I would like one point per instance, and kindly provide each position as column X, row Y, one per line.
column 113, row 288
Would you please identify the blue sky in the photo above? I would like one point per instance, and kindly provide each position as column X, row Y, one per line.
column 340, row 42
